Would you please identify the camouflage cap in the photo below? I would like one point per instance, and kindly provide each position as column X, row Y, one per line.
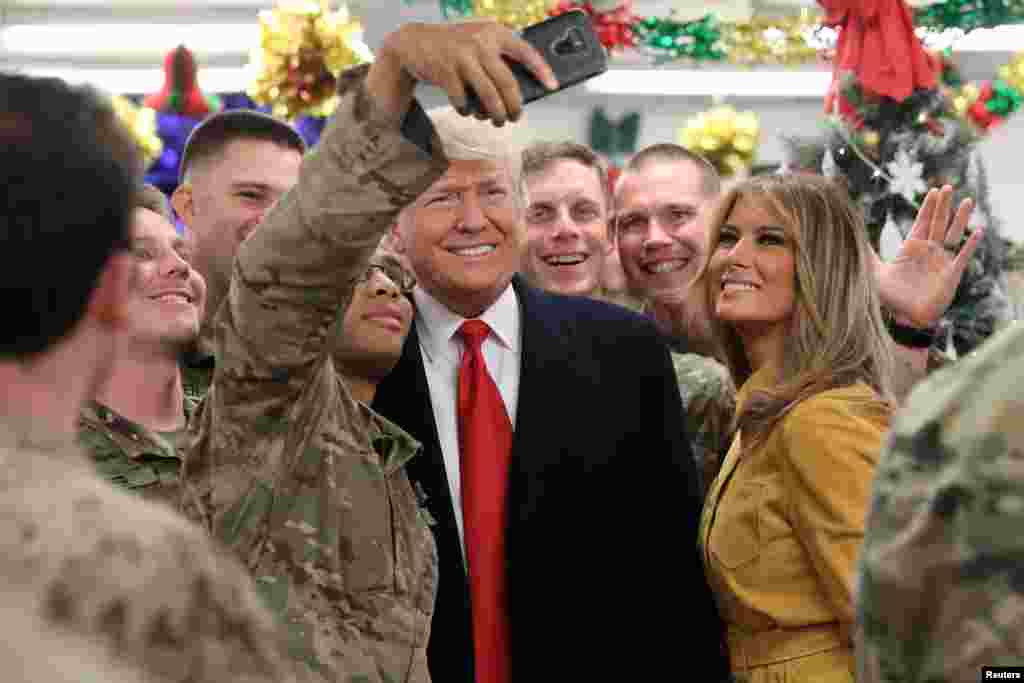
column 237, row 123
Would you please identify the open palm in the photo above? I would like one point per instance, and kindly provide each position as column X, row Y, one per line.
column 918, row 285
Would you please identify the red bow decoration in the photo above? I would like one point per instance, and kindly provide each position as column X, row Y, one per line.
column 877, row 43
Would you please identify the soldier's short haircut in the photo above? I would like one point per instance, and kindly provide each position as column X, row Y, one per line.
column 539, row 157
column 213, row 134
column 467, row 138
column 69, row 178
column 666, row 152
column 150, row 197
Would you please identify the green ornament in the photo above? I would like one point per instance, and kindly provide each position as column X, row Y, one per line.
column 968, row 15
column 456, row 9
column 696, row 40
column 1005, row 99
column 615, row 140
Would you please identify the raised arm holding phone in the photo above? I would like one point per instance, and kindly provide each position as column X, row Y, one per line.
column 287, row 467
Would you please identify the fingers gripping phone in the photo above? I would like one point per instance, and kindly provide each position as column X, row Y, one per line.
column 571, row 48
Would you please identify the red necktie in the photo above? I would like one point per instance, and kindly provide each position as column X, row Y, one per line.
column 485, row 444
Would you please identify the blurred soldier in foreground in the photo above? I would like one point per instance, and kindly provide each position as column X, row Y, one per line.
column 95, row 584
column 942, row 566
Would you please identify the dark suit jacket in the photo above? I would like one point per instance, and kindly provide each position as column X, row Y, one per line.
column 604, row 579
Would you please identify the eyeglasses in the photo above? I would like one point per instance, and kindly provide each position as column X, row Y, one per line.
column 402, row 278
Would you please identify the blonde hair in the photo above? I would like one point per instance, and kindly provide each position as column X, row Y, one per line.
column 837, row 335
column 468, row 139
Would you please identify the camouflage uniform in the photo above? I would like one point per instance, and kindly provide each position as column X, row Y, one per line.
column 97, row 585
column 131, row 456
column 196, row 374
column 709, row 402
column 304, row 484
column 942, row 566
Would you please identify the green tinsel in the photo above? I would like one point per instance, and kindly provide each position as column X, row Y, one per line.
column 968, row 15
column 456, row 9
column 698, row 40
column 1005, row 99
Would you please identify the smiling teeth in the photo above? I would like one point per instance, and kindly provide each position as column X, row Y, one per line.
column 475, row 251
column 738, row 285
column 175, row 296
column 568, row 259
column 665, row 267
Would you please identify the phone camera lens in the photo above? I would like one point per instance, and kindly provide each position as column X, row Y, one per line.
column 571, row 43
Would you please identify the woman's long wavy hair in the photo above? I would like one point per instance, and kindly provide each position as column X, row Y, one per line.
column 837, row 335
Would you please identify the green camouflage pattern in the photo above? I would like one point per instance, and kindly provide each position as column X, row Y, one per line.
column 942, row 566
column 98, row 585
column 709, row 405
column 197, row 376
column 131, row 456
column 304, row 484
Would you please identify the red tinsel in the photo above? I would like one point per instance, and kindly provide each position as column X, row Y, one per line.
column 613, row 28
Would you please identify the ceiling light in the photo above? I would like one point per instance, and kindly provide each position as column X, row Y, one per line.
column 713, row 83
column 124, row 40
column 144, row 81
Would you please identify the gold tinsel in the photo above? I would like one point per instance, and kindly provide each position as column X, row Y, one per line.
column 771, row 41
column 1013, row 72
column 965, row 98
column 723, row 136
column 141, row 123
column 513, row 13
column 303, row 47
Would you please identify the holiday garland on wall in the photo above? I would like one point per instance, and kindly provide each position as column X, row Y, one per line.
column 709, row 38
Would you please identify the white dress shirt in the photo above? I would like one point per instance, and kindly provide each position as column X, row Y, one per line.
column 442, row 347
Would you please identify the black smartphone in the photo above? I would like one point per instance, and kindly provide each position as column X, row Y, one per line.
column 570, row 46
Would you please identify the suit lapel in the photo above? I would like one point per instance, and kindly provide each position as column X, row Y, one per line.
column 406, row 401
column 545, row 358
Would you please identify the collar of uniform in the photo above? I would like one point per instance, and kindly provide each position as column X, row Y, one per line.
column 763, row 378
column 138, row 440
column 394, row 445
column 437, row 325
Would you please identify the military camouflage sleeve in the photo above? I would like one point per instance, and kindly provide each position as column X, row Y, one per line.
column 941, row 590
column 709, row 405
column 127, row 584
column 831, row 446
column 292, row 274
column 275, row 440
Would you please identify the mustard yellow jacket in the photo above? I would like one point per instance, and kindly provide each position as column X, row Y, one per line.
column 782, row 526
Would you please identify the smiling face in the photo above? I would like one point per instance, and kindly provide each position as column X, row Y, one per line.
column 658, row 230
column 227, row 197
column 463, row 236
column 566, row 228
column 376, row 321
column 166, row 302
column 752, row 272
